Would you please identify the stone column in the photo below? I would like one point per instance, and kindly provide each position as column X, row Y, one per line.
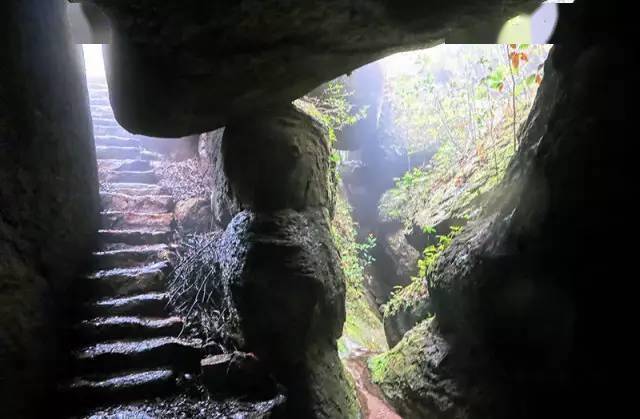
column 281, row 271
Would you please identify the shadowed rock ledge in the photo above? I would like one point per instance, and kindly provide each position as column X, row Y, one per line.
column 178, row 68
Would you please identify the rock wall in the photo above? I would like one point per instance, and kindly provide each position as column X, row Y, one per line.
column 282, row 279
column 48, row 195
column 521, row 293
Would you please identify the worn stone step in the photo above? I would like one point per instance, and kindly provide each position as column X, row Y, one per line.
column 138, row 189
column 149, row 304
column 108, row 122
column 112, row 201
column 135, row 237
column 127, row 327
column 148, row 353
column 116, row 141
column 119, row 153
column 100, row 103
column 104, row 129
column 132, row 256
column 91, row 391
column 150, row 155
column 113, row 165
column 123, row 282
column 102, row 111
column 129, row 176
column 123, row 220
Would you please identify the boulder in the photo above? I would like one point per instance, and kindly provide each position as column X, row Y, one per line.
column 289, row 168
column 285, row 289
column 193, row 215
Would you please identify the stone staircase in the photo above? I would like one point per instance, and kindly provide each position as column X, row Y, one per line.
column 128, row 345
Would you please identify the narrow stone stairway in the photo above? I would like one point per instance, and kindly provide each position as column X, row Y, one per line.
column 128, row 345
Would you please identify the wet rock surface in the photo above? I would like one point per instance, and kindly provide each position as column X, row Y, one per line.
column 237, row 372
column 266, row 259
column 195, row 404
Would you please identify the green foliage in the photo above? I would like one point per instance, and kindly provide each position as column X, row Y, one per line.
column 401, row 370
column 332, row 108
column 403, row 297
column 466, row 106
column 362, row 326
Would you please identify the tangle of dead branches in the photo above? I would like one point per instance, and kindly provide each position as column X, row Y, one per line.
column 196, row 292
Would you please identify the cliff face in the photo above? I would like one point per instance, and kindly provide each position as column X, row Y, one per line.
column 515, row 294
column 48, row 195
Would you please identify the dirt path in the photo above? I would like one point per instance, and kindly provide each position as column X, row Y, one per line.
column 373, row 404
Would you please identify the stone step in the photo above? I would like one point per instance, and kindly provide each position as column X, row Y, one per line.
column 118, row 153
column 122, row 220
column 123, row 282
column 91, row 391
column 116, row 141
column 129, row 176
column 113, row 165
column 100, row 111
column 128, row 327
column 149, row 304
column 135, row 237
column 114, row 130
column 149, row 353
column 99, row 100
column 132, row 256
column 107, row 122
column 150, row 155
column 138, row 189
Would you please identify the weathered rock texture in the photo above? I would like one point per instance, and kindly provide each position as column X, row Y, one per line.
column 182, row 68
column 284, row 283
column 281, row 274
column 275, row 161
column 193, row 215
column 520, row 294
column 48, row 194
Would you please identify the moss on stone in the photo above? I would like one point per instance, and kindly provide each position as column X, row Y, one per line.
column 362, row 326
column 399, row 367
column 412, row 377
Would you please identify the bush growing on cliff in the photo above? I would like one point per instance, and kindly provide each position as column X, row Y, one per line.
column 331, row 107
column 465, row 103
column 402, row 297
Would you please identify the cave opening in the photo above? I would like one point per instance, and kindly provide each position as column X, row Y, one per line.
column 312, row 224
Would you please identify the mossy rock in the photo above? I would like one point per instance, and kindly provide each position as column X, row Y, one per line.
column 414, row 376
